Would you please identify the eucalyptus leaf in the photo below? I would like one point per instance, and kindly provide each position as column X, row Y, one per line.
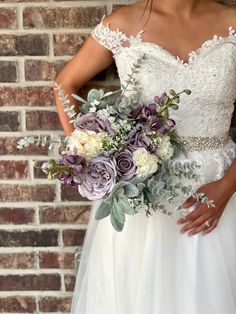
column 118, row 211
column 118, row 226
column 79, row 98
column 123, row 203
column 103, row 210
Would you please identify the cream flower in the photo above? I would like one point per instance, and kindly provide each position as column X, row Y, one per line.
column 86, row 143
column 165, row 148
column 146, row 163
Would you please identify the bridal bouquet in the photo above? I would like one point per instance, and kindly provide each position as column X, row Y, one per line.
column 122, row 152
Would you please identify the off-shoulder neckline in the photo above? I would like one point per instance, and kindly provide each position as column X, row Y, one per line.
column 191, row 55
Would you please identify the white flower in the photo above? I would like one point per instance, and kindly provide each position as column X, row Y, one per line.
column 103, row 114
column 146, row 163
column 86, row 143
column 165, row 148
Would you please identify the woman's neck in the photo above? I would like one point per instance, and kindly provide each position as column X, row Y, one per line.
column 178, row 7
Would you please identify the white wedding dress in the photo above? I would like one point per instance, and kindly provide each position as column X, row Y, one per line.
column 150, row 267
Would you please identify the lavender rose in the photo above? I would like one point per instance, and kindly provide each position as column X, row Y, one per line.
column 100, row 177
column 92, row 122
column 125, row 165
column 140, row 139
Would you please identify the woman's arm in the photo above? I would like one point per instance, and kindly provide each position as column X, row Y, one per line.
column 91, row 59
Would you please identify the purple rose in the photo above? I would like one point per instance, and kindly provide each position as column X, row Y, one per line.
column 100, row 177
column 92, row 122
column 125, row 165
column 140, row 139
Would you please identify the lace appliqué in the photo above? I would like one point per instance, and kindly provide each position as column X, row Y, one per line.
column 113, row 39
column 209, row 43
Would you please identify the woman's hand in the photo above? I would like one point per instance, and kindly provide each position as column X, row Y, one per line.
column 220, row 192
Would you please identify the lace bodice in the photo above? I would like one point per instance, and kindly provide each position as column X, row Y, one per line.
column 210, row 74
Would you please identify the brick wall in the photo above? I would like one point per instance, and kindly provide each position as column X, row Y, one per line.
column 42, row 222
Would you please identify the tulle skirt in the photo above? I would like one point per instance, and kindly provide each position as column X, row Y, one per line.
column 151, row 268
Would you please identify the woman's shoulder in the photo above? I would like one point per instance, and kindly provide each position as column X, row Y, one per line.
column 225, row 14
column 127, row 18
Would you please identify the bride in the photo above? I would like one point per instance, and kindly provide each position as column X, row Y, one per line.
column 162, row 264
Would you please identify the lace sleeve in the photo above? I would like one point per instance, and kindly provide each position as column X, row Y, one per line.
column 111, row 39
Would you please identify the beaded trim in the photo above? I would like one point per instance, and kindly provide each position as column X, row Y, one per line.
column 204, row 143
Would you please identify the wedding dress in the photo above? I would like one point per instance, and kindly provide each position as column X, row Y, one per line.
column 150, row 267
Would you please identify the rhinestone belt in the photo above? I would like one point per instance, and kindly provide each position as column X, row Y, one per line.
column 204, row 143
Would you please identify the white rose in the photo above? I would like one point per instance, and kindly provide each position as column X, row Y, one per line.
column 146, row 163
column 86, row 143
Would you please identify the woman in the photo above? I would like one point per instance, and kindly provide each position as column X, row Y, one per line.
column 161, row 264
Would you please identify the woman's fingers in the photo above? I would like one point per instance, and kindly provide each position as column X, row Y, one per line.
column 196, row 223
column 213, row 226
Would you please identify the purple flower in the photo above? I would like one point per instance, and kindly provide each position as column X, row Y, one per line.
column 76, row 165
column 160, row 100
column 170, row 123
column 143, row 112
column 140, row 139
column 155, row 123
column 71, row 159
column 100, row 177
column 92, row 122
column 149, row 110
column 45, row 165
column 69, row 179
column 125, row 165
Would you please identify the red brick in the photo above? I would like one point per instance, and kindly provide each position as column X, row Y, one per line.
column 13, row 169
column 78, row 214
column 62, row 17
column 17, row 193
column 55, row 304
column 68, row 44
column 56, row 260
column 8, row 18
column 32, row 282
column 38, row 173
column 17, row 304
column 36, row 70
column 9, row 121
column 28, row 238
column 27, row 96
column 8, row 146
column 8, row 71
column 73, row 237
column 24, row 45
column 42, row 120
column 69, row 193
column 17, row 260
column 69, row 282
column 16, row 215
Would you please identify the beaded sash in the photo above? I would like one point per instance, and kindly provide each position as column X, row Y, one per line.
column 204, row 143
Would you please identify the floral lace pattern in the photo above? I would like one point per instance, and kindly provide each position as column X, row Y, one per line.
column 210, row 74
